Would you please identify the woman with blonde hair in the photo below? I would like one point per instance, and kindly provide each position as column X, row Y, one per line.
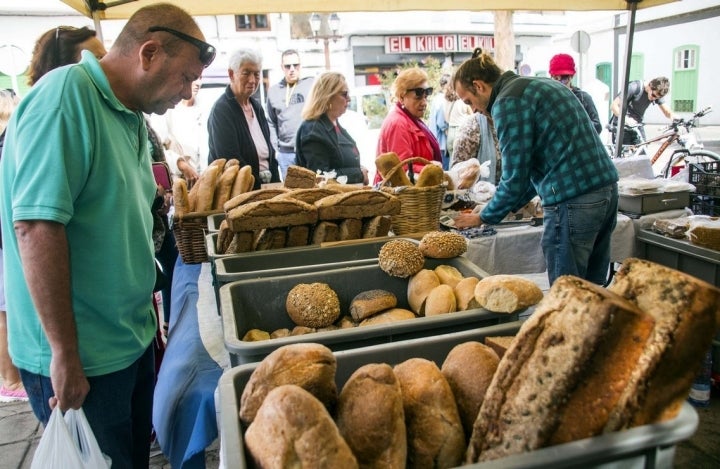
column 321, row 142
column 403, row 130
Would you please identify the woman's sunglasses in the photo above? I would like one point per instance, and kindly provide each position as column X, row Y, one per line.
column 207, row 52
column 422, row 92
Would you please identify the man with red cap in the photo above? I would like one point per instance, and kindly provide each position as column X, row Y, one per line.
column 562, row 69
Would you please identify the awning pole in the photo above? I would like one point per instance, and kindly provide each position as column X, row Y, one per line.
column 630, row 31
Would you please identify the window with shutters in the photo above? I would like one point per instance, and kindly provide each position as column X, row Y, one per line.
column 252, row 23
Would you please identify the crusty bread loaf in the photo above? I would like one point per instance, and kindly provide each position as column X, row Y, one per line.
column 370, row 302
column 469, row 368
column 357, row 204
column 350, row 228
column 388, row 316
column 278, row 333
column 325, row 231
column 387, row 161
column 506, row 293
column 580, row 340
column 224, row 237
column 310, row 366
column 440, row 300
column 242, row 241
column 448, row 275
column 293, row 429
column 434, row 433
column 206, row 188
column 687, row 314
column 271, row 238
column 465, row 293
column 255, row 335
column 371, row 419
column 400, row 258
column 499, row 344
column 443, row 244
column 224, row 187
column 218, row 163
column 431, row 175
column 271, row 214
column 375, row 227
column 298, row 177
column 244, row 181
column 298, row 236
column 253, row 196
column 302, row 330
column 313, row 304
column 310, row 195
column 419, row 287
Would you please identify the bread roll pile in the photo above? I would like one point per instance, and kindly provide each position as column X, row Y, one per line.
column 588, row 361
column 299, row 216
column 222, row 180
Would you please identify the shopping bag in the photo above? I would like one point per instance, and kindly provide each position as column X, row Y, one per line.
column 69, row 443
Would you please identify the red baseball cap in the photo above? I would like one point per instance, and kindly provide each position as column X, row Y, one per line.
column 562, row 64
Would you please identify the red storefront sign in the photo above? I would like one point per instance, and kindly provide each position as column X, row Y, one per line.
column 427, row 43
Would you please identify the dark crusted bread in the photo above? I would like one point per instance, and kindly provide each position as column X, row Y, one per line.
column 310, row 195
column 271, row 213
column 371, row 419
column 271, row 238
column 325, row 231
column 564, row 374
column 376, row 227
column 298, row 236
column 310, row 366
column 298, row 177
column 252, row 196
column 370, row 302
column 400, row 258
column 350, row 228
column 293, row 429
column 686, row 312
column 357, row 204
column 435, row 436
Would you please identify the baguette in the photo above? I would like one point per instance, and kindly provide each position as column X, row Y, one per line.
column 387, row 161
column 244, row 181
column 224, row 186
column 206, row 189
column 180, row 197
column 430, row 176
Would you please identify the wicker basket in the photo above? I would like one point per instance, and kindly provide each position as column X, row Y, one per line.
column 190, row 230
column 420, row 206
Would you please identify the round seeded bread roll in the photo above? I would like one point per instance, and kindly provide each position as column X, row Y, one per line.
column 400, row 258
column 443, row 244
column 313, row 305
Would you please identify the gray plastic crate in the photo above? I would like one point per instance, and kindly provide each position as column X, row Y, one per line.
column 680, row 254
column 214, row 221
column 297, row 260
column 649, row 446
column 260, row 304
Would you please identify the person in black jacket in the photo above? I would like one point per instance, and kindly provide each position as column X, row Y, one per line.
column 321, row 142
column 562, row 69
column 237, row 127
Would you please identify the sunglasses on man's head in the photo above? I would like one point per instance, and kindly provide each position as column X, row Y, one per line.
column 289, row 66
column 207, row 52
column 421, row 92
column 655, row 94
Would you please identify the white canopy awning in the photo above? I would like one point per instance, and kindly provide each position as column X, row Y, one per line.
column 120, row 9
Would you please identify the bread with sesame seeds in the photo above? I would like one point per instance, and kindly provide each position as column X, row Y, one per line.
column 313, row 305
column 400, row 258
column 443, row 244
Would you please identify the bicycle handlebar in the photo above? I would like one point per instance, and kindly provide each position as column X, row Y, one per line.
column 691, row 122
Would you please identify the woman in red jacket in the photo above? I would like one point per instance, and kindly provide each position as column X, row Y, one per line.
column 403, row 130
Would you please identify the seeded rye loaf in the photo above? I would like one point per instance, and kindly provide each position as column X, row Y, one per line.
column 357, row 204
column 271, row 213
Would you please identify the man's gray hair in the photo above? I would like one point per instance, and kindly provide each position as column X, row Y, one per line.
column 242, row 56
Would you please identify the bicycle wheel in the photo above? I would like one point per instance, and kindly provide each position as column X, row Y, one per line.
column 679, row 156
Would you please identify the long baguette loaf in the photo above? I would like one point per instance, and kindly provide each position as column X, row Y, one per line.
column 581, row 339
column 271, row 214
column 357, row 204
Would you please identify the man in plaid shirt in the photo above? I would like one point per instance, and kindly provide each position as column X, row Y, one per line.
column 549, row 148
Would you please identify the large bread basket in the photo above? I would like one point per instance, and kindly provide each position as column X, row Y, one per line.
column 420, row 206
column 190, row 230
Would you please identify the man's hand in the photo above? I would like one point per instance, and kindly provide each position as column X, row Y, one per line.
column 191, row 176
column 467, row 220
column 68, row 381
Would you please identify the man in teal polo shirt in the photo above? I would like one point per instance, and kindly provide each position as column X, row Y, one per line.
column 76, row 225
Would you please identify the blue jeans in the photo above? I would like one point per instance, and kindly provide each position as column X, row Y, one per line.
column 576, row 239
column 284, row 160
column 118, row 407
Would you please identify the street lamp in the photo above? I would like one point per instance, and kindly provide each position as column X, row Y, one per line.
column 332, row 25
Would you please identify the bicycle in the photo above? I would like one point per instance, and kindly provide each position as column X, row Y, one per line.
column 680, row 131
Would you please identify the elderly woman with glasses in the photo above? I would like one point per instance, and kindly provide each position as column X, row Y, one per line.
column 322, row 144
column 237, row 126
column 403, row 130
